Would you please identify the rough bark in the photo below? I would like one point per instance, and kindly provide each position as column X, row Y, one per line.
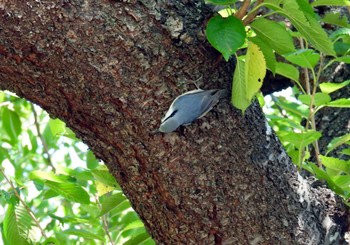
column 335, row 122
column 110, row 69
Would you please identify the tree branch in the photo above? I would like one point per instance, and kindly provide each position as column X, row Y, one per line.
column 243, row 9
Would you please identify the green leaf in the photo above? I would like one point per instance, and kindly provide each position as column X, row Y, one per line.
column 51, row 241
column 304, row 58
column 343, row 181
column 340, row 103
column 273, row 34
column 133, row 225
column 110, row 202
column 341, row 48
column 319, row 99
column 345, row 59
column 141, row 239
column 40, row 175
column 330, row 3
column 50, row 140
column 336, row 164
column 336, row 19
column 255, row 70
column 11, row 124
column 346, row 151
column 120, row 209
column 16, row 225
column 305, row 23
column 57, row 127
column 321, row 174
column 221, row 2
column 288, row 71
column 225, row 34
column 83, row 233
column 300, row 140
column 336, row 142
column 331, row 87
column 305, row 6
column 239, row 98
column 104, row 177
column 91, row 161
column 288, row 122
column 268, row 53
column 71, row 191
column 297, row 109
column 342, row 32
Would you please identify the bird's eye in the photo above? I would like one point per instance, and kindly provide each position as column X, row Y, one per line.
column 172, row 114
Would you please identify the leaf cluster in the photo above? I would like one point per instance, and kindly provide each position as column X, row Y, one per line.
column 301, row 49
column 53, row 190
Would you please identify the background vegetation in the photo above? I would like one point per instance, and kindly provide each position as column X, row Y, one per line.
column 53, row 190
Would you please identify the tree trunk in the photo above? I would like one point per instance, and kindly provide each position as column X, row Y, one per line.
column 110, row 69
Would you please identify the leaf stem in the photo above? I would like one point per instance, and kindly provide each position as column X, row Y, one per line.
column 46, row 150
column 31, row 214
column 253, row 13
column 104, row 222
column 311, row 117
column 243, row 9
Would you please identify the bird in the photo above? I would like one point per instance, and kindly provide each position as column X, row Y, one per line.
column 190, row 106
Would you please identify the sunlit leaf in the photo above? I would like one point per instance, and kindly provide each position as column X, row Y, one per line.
column 274, row 35
column 255, row 70
column 133, row 225
column 71, row 191
column 339, row 165
column 83, row 233
column 346, row 151
column 345, row 59
column 57, row 127
column 91, row 161
column 287, row 70
column 11, row 123
column 330, row 3
column 305, row 23
column 269, row 55
column 221, row 2
column 301, row 140
column 105, row 177
column 336, row 142
column 51, row 241
column 41, row 175
column 111, row 202
column 304, row 58
column 340, row 103
column 331, row 87
column 321, row 174
column 141, row 239
column 319, row 99
column 239, row 93
column 17, row 224
column 343, row 181
column 336, row 18
column 297, row 109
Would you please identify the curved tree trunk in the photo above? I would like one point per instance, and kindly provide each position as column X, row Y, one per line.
column 110, row 69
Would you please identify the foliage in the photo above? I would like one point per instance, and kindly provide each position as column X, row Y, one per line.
column 299, row 45
column 53, row 190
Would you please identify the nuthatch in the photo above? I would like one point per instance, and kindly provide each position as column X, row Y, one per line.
column 189, row 106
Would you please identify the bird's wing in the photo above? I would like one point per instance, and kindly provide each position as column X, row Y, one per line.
column 210, row 100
